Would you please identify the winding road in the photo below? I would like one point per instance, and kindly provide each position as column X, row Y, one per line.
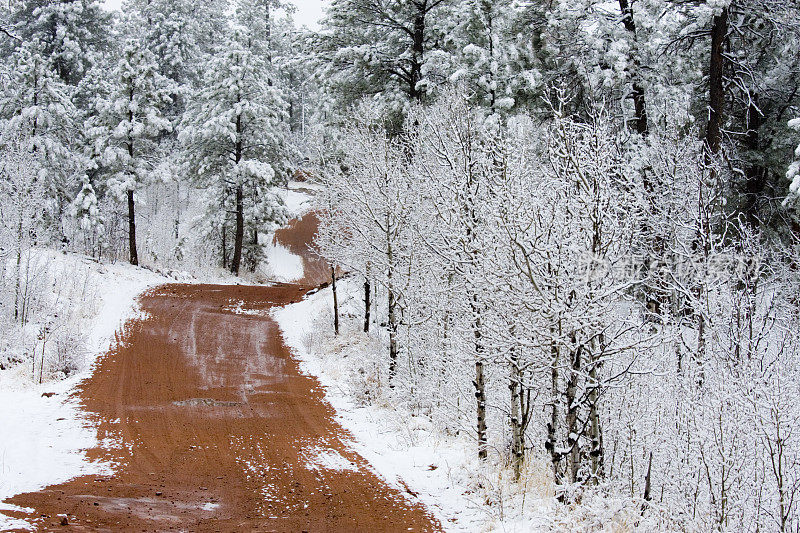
column 213, row 427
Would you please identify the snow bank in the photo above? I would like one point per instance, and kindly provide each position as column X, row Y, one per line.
column 283, row 265
column 44, row 438
column 297, row 201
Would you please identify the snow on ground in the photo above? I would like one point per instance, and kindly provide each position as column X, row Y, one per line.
column 404, row 448
column 327, row 459
column 297, row 201
column 44, row 438
column 283, row 265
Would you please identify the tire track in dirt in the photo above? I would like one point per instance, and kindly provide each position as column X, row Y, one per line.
column 216, row 429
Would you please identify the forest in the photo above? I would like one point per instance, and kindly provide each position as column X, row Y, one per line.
column 574, row 224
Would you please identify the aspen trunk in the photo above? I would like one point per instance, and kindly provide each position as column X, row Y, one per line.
column 18, row 280
column 392, row 308
column 517, row 442
column 480, row 398
column 573, row 437
column 552, row 426
column 392, row 337
column 367, row 303
column 596, row 452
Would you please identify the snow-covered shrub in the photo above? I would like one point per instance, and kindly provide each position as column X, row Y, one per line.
column 68, row 351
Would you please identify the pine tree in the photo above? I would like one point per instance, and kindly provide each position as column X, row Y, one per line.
column 381, row 49
column 36, row 105
column 70, row 32
column 127, row 126
column 794, row 169
column 233, row 139
column 178, row 33
column 484, row 53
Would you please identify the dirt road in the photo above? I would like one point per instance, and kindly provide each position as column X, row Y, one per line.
column 214, row 428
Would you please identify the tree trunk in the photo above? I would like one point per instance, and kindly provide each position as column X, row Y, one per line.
column 596, row 452
column 417, row 52
column 637, row 91
column 552, row 426
column 239, row 237
column 573, row 437
column 392, row 305
column 517, row 435
column 756, row 172
column 716, row 92
column 132, row 229
column 335, row 301
column 480, row 400
column 367, row 303
column 18, row 280
column 647, row 486
column 253, row 260
column 392, row 337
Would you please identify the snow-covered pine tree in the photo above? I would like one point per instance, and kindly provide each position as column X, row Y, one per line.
column 36, row 105
column 177, row 32
column 70, row 32
column 233, row 137
column 485, row 53
column 793, row 174
column 380, row 49
column 127, row 126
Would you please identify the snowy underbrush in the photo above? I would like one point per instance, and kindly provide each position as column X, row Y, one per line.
column 50, row 307
column 436, row 463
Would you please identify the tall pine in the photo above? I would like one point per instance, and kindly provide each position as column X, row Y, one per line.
column 234, row 144
column 127, row 126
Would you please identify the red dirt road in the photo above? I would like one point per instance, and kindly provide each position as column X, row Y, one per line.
column 215, row 428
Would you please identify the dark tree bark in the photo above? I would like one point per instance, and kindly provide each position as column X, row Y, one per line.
column 224, row 229
column 756, row 173
column 239, row 236
column 132, row 230
column 367, row 303
column 417, row 53
column 392, row 337
column 480, row 397
column 716, row 90
column 552, row 426
column 134, row 256
column 335, row 301
column 637, row 91
column 571, row 419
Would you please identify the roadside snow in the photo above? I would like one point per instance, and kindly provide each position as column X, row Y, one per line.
column 284, row 265
column 296, row 200
column 43, row 439
column 327, row 459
